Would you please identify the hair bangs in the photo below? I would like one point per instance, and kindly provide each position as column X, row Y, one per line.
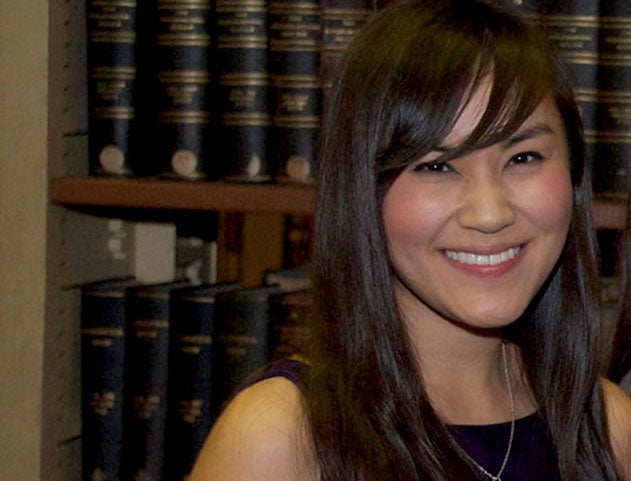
column 441, row 78
column 425, row 97
column 521, row 79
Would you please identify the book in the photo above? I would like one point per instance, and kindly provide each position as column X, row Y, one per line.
column 241, row 333
column 103, row 331
column 146, row 379
column 183, row 58
column 340, row 21
column 190, row 411
column 573, row 25
column 289, row 323
column 111, row 31
column 294, row 59
column 230, row 239
column 242, row 90
column 612, row 150
column 592, row 36
column 297, row 240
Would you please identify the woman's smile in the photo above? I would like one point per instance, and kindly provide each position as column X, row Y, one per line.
column 476, row 258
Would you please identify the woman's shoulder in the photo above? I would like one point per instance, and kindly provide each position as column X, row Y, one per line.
column 262, row 434
column 618, row 408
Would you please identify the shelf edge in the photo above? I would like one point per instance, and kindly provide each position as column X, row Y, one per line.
column 155, row 194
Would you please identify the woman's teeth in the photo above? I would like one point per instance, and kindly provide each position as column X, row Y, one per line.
column 481, row 259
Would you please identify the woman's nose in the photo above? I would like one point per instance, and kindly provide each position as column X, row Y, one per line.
column 486, row 207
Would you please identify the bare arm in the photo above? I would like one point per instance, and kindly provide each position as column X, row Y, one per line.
column 261, row 436
column 618, row 406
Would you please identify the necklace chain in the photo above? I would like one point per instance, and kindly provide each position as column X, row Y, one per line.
column 498, row 476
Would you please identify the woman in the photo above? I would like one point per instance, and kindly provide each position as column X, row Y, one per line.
column 455, row 332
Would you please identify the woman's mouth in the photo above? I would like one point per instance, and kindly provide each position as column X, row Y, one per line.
column 474, row 259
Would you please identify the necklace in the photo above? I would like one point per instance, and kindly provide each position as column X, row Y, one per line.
column 498, row 476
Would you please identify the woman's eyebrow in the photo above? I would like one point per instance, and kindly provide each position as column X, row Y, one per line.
column 529, row 132
column 540, row 128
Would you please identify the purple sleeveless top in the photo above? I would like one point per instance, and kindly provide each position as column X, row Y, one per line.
column 533, row 455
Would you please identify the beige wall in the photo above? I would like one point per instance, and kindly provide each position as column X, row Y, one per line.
column 23, row 198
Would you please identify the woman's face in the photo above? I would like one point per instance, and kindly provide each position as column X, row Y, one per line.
column 473, row 239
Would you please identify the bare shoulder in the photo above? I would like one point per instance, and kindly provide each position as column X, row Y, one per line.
column 618, row 406
column 262, row 435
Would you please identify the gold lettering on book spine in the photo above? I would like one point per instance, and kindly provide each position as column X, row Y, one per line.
column 190, row 409
column 101, row 403
column 111, row 21
column 242, row 24
column 576, row 36
column 146, row 406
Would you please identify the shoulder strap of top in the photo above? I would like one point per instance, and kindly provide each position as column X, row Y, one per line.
column 292, row 369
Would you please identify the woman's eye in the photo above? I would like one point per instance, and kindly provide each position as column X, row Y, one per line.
column 433, row 167
column 525, row 158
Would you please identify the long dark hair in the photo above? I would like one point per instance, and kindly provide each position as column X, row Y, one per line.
column 620, row 363
column 400, row 88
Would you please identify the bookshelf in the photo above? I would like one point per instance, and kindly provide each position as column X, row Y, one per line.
column 121, row 195
column 124, row 194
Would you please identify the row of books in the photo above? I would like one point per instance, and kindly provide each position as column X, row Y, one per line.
column 218, row 90
column 160, row 360
column 593, row 36
column 233, row 89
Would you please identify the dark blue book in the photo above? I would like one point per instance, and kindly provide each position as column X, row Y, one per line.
column 612, row 139
column 183, row 63
column 340, row 21
column 111, row 30
column 102, row 377
column 242, row 337
column 190, row 411
column 290, row 314
column 296, row 97
column 593, row 38
column 242, row 90
column 574, row 26
column 146, row 379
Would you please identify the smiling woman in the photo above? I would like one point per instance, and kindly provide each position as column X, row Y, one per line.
column 455, row 332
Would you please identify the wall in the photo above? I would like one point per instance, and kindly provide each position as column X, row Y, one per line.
column 23, row 188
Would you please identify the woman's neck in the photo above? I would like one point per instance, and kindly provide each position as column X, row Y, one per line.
column 464, row 377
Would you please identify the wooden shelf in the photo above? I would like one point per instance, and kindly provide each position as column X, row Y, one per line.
column 96, row 193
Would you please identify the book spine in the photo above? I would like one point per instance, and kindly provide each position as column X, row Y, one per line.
column 102, row 381
column 190, row 410
column 289, row 328
column 231, row 237
column 111, row 61
column 243, row 90
column 241, row 332
column 183, row 55
column 146, row 380
column 574, row 27
column 612, row 138
column 297, row 240
column 592, row 36
column 294, row 49
column 340, row 21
